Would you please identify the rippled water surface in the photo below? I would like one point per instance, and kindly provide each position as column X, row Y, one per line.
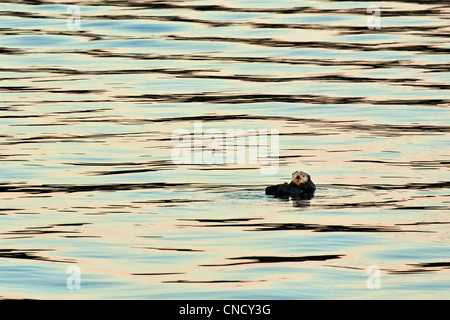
column 87, row 177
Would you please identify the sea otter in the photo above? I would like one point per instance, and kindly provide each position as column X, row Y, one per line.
column 301, row 186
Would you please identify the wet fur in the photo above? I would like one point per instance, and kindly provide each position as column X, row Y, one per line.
column 303, row 190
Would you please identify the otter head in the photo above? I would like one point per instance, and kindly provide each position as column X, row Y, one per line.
column 299, row 177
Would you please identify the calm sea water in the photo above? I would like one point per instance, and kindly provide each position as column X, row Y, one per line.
column 86, row 175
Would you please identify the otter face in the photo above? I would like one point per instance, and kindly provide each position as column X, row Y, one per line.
column 299, row 177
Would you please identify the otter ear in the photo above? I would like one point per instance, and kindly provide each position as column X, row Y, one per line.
column 309, row 177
